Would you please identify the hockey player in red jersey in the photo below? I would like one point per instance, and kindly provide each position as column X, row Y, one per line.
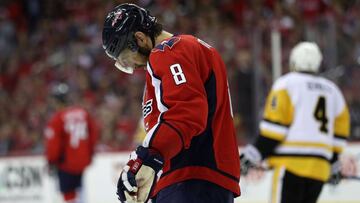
column 70, row 138
column 186, row 109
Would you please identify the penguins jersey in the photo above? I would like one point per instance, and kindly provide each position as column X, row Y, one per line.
column 187, row 114
column 309, row 118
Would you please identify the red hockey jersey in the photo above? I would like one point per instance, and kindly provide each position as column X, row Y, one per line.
column 70, row 138
column 188, row 116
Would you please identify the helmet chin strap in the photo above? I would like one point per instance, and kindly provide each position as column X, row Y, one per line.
column 128, row 70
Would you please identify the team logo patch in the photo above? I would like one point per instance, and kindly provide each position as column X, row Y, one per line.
column 274, row 102
column 147, row 108
column 167, row 43
column 117, row 16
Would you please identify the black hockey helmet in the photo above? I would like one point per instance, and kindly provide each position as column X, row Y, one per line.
column 121, row 24
column 60, row 92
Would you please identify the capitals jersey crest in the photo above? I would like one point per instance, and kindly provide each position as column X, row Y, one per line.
column 170, row 43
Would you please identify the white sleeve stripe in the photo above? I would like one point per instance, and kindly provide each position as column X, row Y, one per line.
column 264, row 125
column 340, row 137
column 149, row 135
column 304, row 151
column 157, row 85
column 339, row 142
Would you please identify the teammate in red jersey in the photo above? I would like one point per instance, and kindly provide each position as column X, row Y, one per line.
column 70, row 138
column 186, row 109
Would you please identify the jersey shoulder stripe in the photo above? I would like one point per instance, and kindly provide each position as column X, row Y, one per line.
column 175, row 43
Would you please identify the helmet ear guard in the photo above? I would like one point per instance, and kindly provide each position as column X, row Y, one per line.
column 306, row 57
column 60, row 92
column 114, row 48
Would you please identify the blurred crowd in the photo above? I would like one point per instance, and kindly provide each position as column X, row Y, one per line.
column 44, row 43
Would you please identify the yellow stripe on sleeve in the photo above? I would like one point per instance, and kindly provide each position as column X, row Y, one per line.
column 342, row 123
column 338, row 149
column 278, row 107
column 309, row 144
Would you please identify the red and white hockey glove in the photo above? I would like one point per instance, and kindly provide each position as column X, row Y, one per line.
column 139, row 176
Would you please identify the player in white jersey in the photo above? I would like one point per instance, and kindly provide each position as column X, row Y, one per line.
column 303, row 131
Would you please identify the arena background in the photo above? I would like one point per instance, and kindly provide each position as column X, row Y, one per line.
column 45, row 42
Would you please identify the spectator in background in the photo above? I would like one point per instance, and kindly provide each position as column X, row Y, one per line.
column 69, row 32
column 70, row 138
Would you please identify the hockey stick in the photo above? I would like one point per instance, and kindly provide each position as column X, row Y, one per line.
column 351, row 177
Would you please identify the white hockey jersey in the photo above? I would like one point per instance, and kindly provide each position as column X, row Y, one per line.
column 310, row 118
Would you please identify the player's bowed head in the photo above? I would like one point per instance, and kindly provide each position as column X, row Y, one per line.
column 126, row 29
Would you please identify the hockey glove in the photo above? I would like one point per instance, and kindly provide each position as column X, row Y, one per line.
column 249, row 158
column 335, row 176
column 138, row 177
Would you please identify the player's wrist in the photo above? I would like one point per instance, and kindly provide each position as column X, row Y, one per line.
column 150, row 157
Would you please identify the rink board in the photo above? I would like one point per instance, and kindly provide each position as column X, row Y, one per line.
column 25, row 180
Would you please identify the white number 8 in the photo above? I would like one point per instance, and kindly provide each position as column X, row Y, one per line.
column 178, row 74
